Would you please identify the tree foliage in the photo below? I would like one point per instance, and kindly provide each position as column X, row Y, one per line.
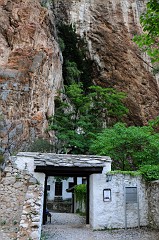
column 129, row 147
column 78, row 121
column 149, row 40
column 150, row 172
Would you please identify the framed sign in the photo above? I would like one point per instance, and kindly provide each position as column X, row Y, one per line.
column 131, row 194
column 107, row 195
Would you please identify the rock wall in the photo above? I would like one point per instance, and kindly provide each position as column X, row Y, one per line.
column 109, row 27
column 153, row 196
column 31, row 62
column 30, row 71
column 22, row 198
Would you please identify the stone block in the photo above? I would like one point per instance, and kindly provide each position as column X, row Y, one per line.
column 29, row 196
column 34, row 235
column 24, row 225
column 35, row 224
column 9, row 180
column 8, row 169
column 36, row 219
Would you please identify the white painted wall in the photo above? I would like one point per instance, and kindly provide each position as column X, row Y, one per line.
column 111, row 214
column 65, row 185
column 26, row 161
column 102, row 214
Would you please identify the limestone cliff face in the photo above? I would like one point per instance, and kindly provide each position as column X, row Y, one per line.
column 30, row 71
column 31, row 67
column 109, row 27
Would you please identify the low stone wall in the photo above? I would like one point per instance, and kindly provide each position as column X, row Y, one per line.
column 13, row 187
column 21, row 198
column 30, row 224
column 153, row 204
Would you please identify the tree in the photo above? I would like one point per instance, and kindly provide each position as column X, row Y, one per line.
column 78, row 121
column 149, row 40
column 129, row 147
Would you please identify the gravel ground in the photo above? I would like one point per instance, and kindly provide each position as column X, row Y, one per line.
column 66, row 226
column 3, row 235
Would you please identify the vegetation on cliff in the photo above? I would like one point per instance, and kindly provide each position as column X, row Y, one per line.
column 77, row 121
column 87, row 109
column 88, row 118
column 149, row 40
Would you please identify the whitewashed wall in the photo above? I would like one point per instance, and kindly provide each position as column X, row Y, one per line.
column 26, row 161
column 65, row 185
column 112, row 214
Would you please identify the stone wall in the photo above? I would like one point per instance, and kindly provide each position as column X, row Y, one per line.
column 13, row 187
column 21, row 198
column 31, row 218
column 153, row 204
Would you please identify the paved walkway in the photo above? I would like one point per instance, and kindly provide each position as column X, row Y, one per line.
column 66, row 226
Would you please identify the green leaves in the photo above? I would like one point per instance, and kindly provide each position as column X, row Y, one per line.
column 87, row 109
column 150, row 172
column 81, row 192
column 129, row 147
column 148, row 41
column 78, row 120
column 72, row 72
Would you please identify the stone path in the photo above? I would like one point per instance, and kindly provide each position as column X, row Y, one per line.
column 66, row 226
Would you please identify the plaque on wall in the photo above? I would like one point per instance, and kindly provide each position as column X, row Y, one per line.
column 131, row 194
column 107, row 195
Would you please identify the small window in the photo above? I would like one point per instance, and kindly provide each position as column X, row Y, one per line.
column 48, row 187
column 71, row 184
column 58, row 188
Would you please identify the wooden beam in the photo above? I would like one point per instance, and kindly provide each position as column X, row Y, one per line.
column 68, row 171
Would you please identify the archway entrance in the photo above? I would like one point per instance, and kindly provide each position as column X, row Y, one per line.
column 69, row 166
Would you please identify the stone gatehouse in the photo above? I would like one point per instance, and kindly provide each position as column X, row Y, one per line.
column 113, row 201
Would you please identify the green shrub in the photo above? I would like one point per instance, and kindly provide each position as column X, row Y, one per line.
column 150, row 172
column 81, row 192
column 129, row 147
